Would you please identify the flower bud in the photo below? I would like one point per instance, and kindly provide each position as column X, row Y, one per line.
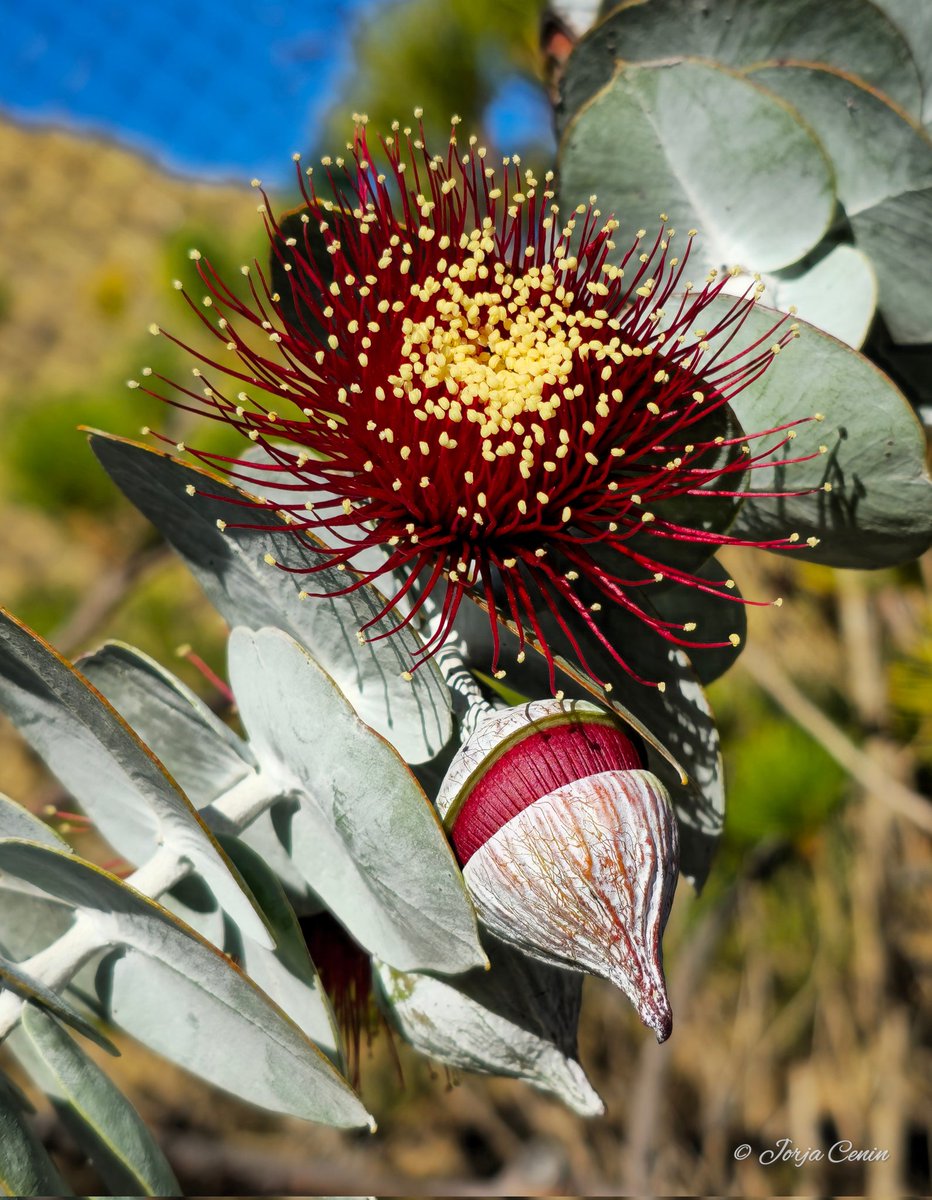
column 568, row 845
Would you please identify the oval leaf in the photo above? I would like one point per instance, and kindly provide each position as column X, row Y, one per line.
column 838, row 294
column 365, row 837
column 517, row 1019
column 850, row 34
column 190, row 1002
column 99, row 1117
column 231, row 568
column 711, row 150
column 883, row 168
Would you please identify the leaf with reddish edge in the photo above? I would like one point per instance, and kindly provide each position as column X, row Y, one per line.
column 878, row 511
column 231, row 567
column 883, row 168
column 709, row 148
column 912, row 20
column 116, row 778
column 850, row 34
column 532, row 674
column 194, row 1005
column 518, row 1019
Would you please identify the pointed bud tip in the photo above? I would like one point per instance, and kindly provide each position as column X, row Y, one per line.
column 664, row 1029
column 654, row 1011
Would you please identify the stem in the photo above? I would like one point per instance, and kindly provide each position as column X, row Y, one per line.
column 469, row 701
column 160, row 874
column 246, row 800
column 56, row 965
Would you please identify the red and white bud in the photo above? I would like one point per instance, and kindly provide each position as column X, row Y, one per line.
column 568, row 845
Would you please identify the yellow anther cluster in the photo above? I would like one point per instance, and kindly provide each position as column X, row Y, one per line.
column 497, row 348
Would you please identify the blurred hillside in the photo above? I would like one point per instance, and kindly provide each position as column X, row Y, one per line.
column 91, row 234
column 91, row 237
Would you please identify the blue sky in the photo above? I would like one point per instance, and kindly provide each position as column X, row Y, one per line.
column 213, row 88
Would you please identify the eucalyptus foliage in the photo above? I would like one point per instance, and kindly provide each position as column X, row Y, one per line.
column 791, row 133
column 794, row 134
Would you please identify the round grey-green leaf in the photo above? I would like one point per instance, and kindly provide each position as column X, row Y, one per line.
column 95, row 1111
column 883, row 167
column 710, row 149
column 852, row 35
column 837, row 294
column 29, row 920
column 878, row 511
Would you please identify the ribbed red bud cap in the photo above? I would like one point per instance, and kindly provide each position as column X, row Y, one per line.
column 569, row 846
column 548, row 757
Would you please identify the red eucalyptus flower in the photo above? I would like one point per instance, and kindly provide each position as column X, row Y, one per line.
column 469, row 379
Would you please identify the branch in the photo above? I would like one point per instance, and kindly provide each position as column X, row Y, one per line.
column 108, row 592
column 772, row 680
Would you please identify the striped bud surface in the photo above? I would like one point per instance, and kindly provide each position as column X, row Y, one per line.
column 568, row 845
